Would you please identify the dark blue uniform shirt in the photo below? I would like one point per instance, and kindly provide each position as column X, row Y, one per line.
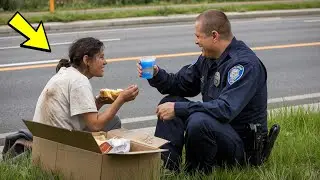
column 233, row 87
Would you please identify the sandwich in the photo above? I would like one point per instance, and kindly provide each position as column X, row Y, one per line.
column 110, row 93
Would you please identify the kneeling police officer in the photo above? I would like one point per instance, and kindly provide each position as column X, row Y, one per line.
column 230, row 126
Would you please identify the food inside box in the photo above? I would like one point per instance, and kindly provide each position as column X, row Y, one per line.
column 112, row 145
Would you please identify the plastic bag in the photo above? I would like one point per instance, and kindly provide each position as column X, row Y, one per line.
column 119, row 145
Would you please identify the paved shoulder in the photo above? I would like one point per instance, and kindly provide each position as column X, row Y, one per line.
column 61, row 26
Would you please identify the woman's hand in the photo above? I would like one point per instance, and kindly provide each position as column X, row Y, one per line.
column 104, row 100
column 129, row 93
column 100, row 101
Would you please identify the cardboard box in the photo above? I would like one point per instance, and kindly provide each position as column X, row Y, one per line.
column 77, row 155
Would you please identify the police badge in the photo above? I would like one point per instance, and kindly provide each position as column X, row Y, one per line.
column 216, row 80
column 235, row 73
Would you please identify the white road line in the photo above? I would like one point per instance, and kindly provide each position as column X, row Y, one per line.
column 57, row 44
column 138, row 119
column 294, row 98
column 29, row 63
column 268, row 19
column 144, row 28
column 314, row 20
column 105, row 30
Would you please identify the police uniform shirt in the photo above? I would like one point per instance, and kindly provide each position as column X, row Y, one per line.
column 233, row 87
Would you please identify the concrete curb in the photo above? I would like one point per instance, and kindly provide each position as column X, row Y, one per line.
column 1, row 149
column 82, row 25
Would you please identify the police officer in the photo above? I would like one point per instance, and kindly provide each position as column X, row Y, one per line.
column 232, row 81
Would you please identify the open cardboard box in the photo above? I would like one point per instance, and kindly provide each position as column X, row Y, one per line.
column 77, row 155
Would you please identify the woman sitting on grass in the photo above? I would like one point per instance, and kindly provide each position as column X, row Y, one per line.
column 67, row 100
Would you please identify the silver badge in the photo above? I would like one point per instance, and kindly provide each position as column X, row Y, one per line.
column 216, row 80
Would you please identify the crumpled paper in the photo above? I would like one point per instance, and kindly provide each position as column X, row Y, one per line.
column 119, row 145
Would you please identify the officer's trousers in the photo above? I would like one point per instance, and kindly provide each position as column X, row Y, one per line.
column 208, row 143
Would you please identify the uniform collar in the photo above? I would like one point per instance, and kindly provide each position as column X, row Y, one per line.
column 224, row 56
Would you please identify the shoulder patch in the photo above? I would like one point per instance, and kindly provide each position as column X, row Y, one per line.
column 235, row 73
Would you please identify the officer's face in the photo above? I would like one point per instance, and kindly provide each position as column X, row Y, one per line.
column 205, row 42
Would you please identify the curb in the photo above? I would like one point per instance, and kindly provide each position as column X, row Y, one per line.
column 1, row 148
column 82, row 25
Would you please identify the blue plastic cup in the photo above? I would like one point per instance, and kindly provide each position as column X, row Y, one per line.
column 147, row 64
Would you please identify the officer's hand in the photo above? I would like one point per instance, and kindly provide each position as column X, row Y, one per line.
column 139, row 69
column 165, row 111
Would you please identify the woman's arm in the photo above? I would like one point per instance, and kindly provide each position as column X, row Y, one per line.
column 96, row 121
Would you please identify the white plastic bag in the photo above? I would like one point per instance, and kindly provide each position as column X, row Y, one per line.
column 120, row 145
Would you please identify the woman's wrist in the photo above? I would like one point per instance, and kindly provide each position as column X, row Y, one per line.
column 119, row 100
column 99, row 104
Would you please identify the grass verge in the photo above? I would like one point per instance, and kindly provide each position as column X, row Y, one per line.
column 296, row 154
column 21, row 168
column 67, row 16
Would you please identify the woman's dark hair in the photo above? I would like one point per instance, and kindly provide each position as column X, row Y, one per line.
column 63, row 63
column 85, row 46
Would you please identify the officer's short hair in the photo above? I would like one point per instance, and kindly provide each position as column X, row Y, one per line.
column 215, row 20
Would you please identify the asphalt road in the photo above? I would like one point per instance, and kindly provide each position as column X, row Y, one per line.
column 293, row 71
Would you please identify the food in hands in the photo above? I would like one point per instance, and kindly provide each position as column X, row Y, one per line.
column 110, row 93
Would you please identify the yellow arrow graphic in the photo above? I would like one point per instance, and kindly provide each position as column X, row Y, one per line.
column 36, row 39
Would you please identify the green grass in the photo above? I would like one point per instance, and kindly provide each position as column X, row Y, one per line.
column 65, row 16
column 88, row 5
column 21, row 168
column 296, row 155
column 43, row 5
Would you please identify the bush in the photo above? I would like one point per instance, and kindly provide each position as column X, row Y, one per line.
column 120, row 2
column 32, row 5
column 11, row 5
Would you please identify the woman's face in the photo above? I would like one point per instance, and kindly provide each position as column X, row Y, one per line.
column 96, row 65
